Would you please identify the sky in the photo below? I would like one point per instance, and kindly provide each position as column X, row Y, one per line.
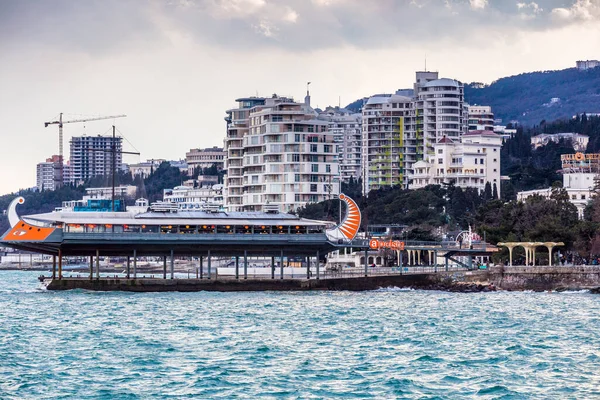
column 174, row 66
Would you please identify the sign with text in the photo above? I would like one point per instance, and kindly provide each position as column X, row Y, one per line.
column 386, row 244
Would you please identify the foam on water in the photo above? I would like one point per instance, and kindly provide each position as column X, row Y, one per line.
column 385, row 344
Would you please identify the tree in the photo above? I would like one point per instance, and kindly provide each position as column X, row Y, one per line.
column 487, row 192
column 495, row 192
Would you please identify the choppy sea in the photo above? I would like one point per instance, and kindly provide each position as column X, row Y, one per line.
column 384, row 344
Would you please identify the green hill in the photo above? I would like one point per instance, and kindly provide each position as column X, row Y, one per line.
column 526, row 98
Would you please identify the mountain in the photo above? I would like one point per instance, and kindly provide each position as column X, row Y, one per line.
column 532, row 97
column 528, row 98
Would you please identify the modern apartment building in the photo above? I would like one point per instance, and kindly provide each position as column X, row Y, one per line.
column 402, row 129
column 93, row 156
column 48, row 174
column 238, row 125
column 278, row 154
column 205, row 158
column 346, row 128
column 390, row 145
column 469, row 161
column 481, row 118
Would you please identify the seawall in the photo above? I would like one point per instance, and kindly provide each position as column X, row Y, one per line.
column 510, row 278
column 232, row 285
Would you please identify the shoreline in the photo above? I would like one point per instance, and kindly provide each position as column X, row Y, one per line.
column 536, row 279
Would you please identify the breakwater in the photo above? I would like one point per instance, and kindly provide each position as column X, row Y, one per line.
column 529, row 278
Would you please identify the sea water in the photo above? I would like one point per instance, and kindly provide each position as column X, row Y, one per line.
column 380, row 344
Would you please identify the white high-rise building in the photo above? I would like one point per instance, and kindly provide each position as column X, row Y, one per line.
column 345, row 126
column 440, row 110
column 399, row 130
column 470, row 161
column 390, row 143
column 93, row 156
column 278, row 154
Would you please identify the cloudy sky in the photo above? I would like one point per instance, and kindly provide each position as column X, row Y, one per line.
column 175, row 66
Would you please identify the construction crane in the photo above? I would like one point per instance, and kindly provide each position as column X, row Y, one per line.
column 60, row 124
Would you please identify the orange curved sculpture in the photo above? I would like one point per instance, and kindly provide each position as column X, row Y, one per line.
column 348, row 229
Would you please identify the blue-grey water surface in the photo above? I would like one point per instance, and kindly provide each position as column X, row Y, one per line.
column 382, row 344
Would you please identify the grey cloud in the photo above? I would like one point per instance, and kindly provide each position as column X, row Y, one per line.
column 295, row 25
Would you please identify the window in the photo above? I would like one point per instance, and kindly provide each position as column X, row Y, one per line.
column 440, row 151
column 481, row 171
column 495, row 150
column 583, row 197
column 481, row 161
column 574, row 197
column 314, row 168
column 297, row 138
column 297, row 178
column 328, row 168
column 311, row 128
column 475, row 161
column 495, row 170
column 298, row 128
column 327, row 148
column 440, row 160
column 297, row 198
column 313, row 148
column 495, row 160
column 313, row 188
column 295, row 157
column 277, row 118
column 274, row 128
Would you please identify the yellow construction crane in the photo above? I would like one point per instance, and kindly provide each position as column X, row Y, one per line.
column 60, row 123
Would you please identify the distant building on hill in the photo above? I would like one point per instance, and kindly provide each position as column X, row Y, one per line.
column 587, row 64
column 144, row 169
column 205, row 158
column 578, row 141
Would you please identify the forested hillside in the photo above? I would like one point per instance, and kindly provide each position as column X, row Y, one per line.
column 526, row 98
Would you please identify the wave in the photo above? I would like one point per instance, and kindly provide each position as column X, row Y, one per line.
column 394, row 289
